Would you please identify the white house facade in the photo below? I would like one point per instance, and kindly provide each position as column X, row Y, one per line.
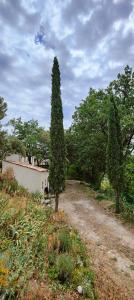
column 33, row 178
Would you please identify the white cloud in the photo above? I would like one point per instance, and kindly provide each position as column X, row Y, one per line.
column 93, row 42
column 118, row 1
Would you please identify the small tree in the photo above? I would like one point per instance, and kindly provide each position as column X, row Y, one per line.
column 115, row 152
column 57, row 148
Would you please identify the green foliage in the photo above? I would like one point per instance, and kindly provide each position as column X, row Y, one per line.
column 100, row 197
column 52, row 273
column 57, row 158
column 115, row 152
column 37, row 196
column 65, row 241
column 106, row 191
column 129, row 179
column 9, row 145
column 84, row 277
column 77, row 247
column 3, row 108
column 86, row 140
column 34, row 138
column 105, row 184
column 123, row 89
column 64, row 266
column 132, row 267
column 71, row 154
column 73, row 172
column 16, row 146
column 89, row 131
column 51, row 258
column 127, row 210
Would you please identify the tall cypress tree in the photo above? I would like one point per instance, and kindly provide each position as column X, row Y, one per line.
column 57, row 159
column 115, row 152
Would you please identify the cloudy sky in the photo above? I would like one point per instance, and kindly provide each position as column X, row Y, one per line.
column 93, row 40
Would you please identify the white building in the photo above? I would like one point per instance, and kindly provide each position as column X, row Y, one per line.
column 33, row 178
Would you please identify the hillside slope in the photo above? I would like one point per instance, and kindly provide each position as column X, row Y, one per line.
column 41, row 257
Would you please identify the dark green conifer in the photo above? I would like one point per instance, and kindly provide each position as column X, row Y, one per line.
column 57, row 156
column 115, row 152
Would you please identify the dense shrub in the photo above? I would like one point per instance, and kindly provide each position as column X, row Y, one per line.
column 64, row 266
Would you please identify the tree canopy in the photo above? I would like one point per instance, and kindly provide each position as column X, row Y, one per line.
column 87, row 138
column 34, row 138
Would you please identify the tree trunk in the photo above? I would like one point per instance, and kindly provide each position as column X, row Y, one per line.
column 56, row 202
column 29, row 159
column 117, row 198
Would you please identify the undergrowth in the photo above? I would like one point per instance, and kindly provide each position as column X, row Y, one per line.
column 107, row 193
column 40, row 256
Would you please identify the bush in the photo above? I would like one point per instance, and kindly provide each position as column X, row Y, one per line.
column 82, row 275
column 105, row 184
column 88, row 290
column 65, row 241
column 127, row 210
column 78, row 249
column 64, row 266
column 51, row 257
column 37, row 196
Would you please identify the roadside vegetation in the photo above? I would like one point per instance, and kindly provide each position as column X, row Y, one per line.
column 41, row 257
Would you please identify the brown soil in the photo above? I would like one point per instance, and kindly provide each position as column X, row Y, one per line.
column 110, row 243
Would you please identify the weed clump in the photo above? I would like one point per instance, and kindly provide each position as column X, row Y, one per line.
column 64, row 241
column 64, row 267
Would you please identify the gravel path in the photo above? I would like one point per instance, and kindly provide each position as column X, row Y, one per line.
column 110, row 243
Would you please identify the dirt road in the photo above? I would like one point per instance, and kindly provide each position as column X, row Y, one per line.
column 110, row 244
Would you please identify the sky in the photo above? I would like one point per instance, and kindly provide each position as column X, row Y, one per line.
column 93, row 40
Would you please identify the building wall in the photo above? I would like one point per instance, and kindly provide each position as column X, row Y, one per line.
column 44, row 181
column 33, row 180
column 14, row 157
column 19, row 158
